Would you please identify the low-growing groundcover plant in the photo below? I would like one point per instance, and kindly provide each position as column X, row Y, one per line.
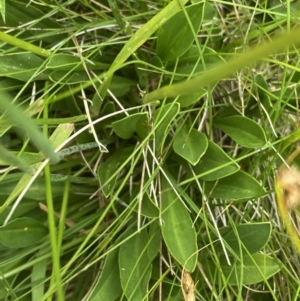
column 140, row 142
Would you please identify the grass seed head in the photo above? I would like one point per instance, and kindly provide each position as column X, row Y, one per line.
column 188, row 286
column 289, row 180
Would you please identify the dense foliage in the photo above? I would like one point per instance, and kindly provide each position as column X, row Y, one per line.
column 139, row 146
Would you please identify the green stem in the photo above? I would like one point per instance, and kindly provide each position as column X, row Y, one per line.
column 56, row 276
column 24, row 45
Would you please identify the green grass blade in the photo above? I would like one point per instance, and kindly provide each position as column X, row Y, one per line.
column 225, row 70
column 10, row 158
column 16, row 116
column 61, row 133
column 137, row 40
column 24, row 45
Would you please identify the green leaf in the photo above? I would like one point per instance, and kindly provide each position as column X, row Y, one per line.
column 239, row 186
column 253, row 236
column 11, row 260
column 38, row 274
column 37, row 189
column 164, row 117
column 23, row 66
column 135, row 266
column 242, row 130
column 119, row 85
column 175, row 37
column 261, row 84
column 249, row 270
column 215, row 158
column 23, row 207
column 135, row 123
column 16, row 11
column 190, row 63
column 22, row 232
column 63, row 61
column 190, row 144
column 68, row 77
column 178, row 231
column 108, row 286
column 9, row 84
column 252, row 269
column 262, row 100
column 154, row 240
column 107, row 170
column 148, row 208
column 177, row 297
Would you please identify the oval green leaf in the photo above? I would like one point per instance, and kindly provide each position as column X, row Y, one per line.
column 22, row 232
column 154, row 240
column 135, row 123
column 252, row 236
column 108, row 170
column 175, row 37
column 108, row 286
column 148, row 207
column 69, row 77
column 189, row 64
column 239, row 186
column 190, row 144
column 135, row 266
column 242, row 130
column 23, row 66
column 252, row 269
column 64, row 61
column 215, row 164
column 25, row 206
column 164, row 117
column 120, row 85
column 177, row 229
